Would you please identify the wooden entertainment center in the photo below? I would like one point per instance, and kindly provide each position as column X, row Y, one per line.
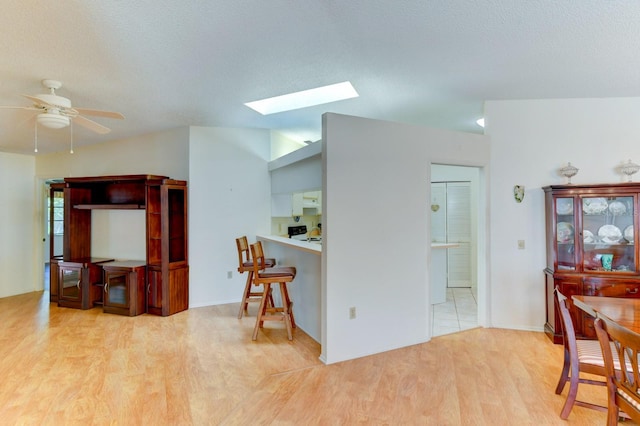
column 159, row 284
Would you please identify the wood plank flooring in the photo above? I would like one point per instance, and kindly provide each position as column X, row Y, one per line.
column 200, row 367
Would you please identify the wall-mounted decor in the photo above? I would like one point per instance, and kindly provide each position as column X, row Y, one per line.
column 434, row 205
column 518, row 193
column 569, row 171
column 629, row 169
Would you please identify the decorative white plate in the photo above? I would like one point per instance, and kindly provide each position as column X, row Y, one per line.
column 592, row 206
column 628, row 234
column 610, row 234
column 564, row 232
column 588, row 236
column 617, row 208
column 564, row 206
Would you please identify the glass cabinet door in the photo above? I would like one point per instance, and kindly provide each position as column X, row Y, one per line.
column 70, row 288
column 565, row 234
column 608, row 234
column 116, row 289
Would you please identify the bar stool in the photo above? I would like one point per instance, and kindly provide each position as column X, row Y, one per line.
column 246, row 265
column 267, row 276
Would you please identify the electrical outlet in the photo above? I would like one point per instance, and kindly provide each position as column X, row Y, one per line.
column 229, row 275
column 520, row 244
column 352, row 312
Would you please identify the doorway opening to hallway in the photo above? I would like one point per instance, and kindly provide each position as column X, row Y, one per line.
column 454, row 223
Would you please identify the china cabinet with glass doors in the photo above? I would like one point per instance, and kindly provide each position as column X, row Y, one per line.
column 591, row 248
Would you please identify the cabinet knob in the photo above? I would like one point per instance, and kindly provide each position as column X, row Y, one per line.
column 629, row 291
column 78, row 284
column 106, row 287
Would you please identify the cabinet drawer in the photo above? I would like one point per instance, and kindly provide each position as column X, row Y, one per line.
column 611, row 288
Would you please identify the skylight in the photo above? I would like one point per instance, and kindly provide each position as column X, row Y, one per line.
column 305, row 98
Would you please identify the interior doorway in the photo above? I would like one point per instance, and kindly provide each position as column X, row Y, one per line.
column 455, row 191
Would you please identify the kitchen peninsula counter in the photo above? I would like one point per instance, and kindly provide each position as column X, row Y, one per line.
column 308, row 246
column 305, row 288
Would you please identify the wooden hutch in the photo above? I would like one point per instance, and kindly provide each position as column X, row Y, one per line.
column 592, row 248
column 160, row 284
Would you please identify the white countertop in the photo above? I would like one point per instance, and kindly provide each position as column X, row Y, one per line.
column 315, row 247
column 311, row 247
column 444, row 245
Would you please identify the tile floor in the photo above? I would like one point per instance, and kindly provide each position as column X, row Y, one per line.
column 459, row 312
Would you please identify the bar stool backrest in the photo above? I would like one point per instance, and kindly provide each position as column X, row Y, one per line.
column 258, row 257
column 244, row 256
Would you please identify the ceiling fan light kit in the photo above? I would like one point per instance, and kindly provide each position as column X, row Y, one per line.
column 53, row 121
column 56, row 112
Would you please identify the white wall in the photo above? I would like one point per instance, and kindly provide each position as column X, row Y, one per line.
column 17, row 231
column 119, row 234
column 229, row 196
column 163, row 153
column 282, row 145
column 378, row 261
column 530, row 141
column 301, row 176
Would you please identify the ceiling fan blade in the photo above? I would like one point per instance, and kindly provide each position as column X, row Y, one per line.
column 29, row 108
column 91, row 125
column 99, row 113
column 38, row 101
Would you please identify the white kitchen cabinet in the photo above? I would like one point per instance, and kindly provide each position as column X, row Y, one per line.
column 281, row 205
column 297, row 204
column 312, row 200
column 307, row 203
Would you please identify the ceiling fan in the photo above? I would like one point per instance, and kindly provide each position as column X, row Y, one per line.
column 56, row 112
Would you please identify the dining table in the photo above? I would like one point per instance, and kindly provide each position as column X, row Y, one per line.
column 624, row 311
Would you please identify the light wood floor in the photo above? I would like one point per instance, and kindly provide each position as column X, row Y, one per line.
column 200, row 367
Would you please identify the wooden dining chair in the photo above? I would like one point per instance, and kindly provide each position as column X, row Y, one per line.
column 265, row 276
column 580, row 356
column 245, row 264
column 620, row 348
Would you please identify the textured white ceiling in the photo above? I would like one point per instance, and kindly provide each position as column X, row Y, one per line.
column 169, row 63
